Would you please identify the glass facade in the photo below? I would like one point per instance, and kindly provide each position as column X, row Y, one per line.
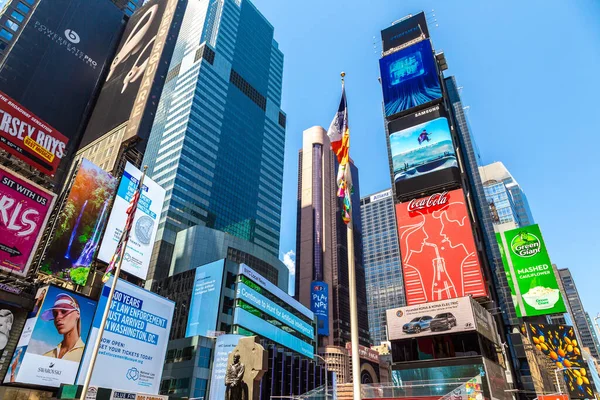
column 501, row 203
column 217, row 142
column 383, row 267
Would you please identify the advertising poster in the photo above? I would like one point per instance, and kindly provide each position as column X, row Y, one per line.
column 134, row 342
column 484, row 322
column 204, row 307
column 409, row 78
column 53, row 339
column 405, row 31
column 530, row 273
column 223, row 347
column 496, row 377
column 439, row 256
column 24, row 211
column 319, row 304
column 559, row 344
column 448, row 316
column 145, row 222
column 11, row 322
column 27, row 137
column 75, row 239
column 135, row 62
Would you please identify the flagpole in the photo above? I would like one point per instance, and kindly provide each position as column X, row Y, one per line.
column 353, row 303
column 96, row 348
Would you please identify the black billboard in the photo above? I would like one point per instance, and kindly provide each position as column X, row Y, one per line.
column 133, row 72
column 54, row 66
column 404, row 31
column 423, row 155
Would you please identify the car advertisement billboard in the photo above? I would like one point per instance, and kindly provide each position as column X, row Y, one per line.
column 404, row 31
column 422, row 151
column 74, row 241
column 53, row 339
column 439, row 255
column 134, row 342
column 27, row 137
column 223, row 347
column 133, row 72
column 206, row 294
column 534, row 287
column 145, row 222
column 319, row 304
column 24, row 211
column 447, row 316
column 409, row 78
column 559, row 344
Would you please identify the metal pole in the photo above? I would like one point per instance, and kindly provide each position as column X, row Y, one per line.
column 88, row 374
column 326, row 378
column 559, row 386
column 353, row 314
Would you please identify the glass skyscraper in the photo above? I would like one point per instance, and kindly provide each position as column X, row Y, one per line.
column 381, row 258
column 217, row 142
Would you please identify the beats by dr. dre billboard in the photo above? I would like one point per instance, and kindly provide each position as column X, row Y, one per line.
column 439, row 255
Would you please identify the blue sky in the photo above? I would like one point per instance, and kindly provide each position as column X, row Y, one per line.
column 529, row 75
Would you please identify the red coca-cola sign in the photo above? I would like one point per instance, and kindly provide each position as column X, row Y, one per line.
column 426, row 203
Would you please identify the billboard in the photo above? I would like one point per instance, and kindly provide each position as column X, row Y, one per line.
column 409, row 78
column 145, row 222
column 404, row 31
column 24, row 210
column 73, row 243
column 133, row 72
column 223, row 347
column 134, row 342
column 204, row 306
column 62, row 49
column 439, row 255
column 319, row 304
column 25, row 136
column 534, row 287
column 559, row 344
column 484, row 321
column 422, row 151
column 53, row 339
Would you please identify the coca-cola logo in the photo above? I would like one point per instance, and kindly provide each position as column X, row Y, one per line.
column 424, row 203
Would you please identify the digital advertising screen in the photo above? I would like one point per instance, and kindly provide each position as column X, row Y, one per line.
column 134, row 342
column 53, row 340
column 206, row 294
column 559, row 344
column 74, row 242
column 145, row 222
column 409, row 78
column 223, row 347
column 404, row 31
column 422, row 150
column 534, row 288
column 439, row 255
column 24, row 211
column 319, row 304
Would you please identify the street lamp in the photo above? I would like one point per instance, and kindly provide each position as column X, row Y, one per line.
column 326, row 383
column 559, row 386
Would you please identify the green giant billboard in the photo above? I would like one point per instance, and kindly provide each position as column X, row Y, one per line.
column 529, row 272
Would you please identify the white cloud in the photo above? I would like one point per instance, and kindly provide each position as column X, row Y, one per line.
column 289, row 259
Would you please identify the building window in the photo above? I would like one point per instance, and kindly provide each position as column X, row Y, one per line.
column 6, row 35
column 30, row 1
column 17, row 17
column 11, row 25
column 22, row 7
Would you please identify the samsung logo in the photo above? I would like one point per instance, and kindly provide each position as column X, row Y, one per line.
column 428, row 111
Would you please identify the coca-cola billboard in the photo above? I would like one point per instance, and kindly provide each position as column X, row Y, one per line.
column 439, row 256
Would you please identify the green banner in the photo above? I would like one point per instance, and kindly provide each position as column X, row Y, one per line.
column 530, row 275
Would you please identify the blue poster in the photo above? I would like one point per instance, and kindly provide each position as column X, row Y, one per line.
column 224, row 345
column 319, row 304
column 204, row 308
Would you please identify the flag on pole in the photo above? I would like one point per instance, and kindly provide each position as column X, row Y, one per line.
column 131, row 209
column 339, row 136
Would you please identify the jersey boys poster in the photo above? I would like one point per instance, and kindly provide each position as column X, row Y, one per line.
column 439, row 256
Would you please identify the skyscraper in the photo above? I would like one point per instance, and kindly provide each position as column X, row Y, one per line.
column 578, row 314
column 383, row 268
column 217, row 141
column 507, row 200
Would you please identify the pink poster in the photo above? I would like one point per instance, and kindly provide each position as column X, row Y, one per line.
column 24, row 210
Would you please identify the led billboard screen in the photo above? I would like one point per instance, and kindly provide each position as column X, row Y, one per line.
column 535, row 290
column 319, row 304
column 439, row 255
column 206, row 294
column 404, row 31
column 77, row 233
column 145, row 222
column 559, row 344
column 409, row 78
column 223, row 347
column 422, row 151
column 134, row 342
column 24, row 135
column 53, row 339
column 24, row 210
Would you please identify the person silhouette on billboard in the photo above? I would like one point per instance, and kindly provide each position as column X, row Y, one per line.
column 66, row 315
